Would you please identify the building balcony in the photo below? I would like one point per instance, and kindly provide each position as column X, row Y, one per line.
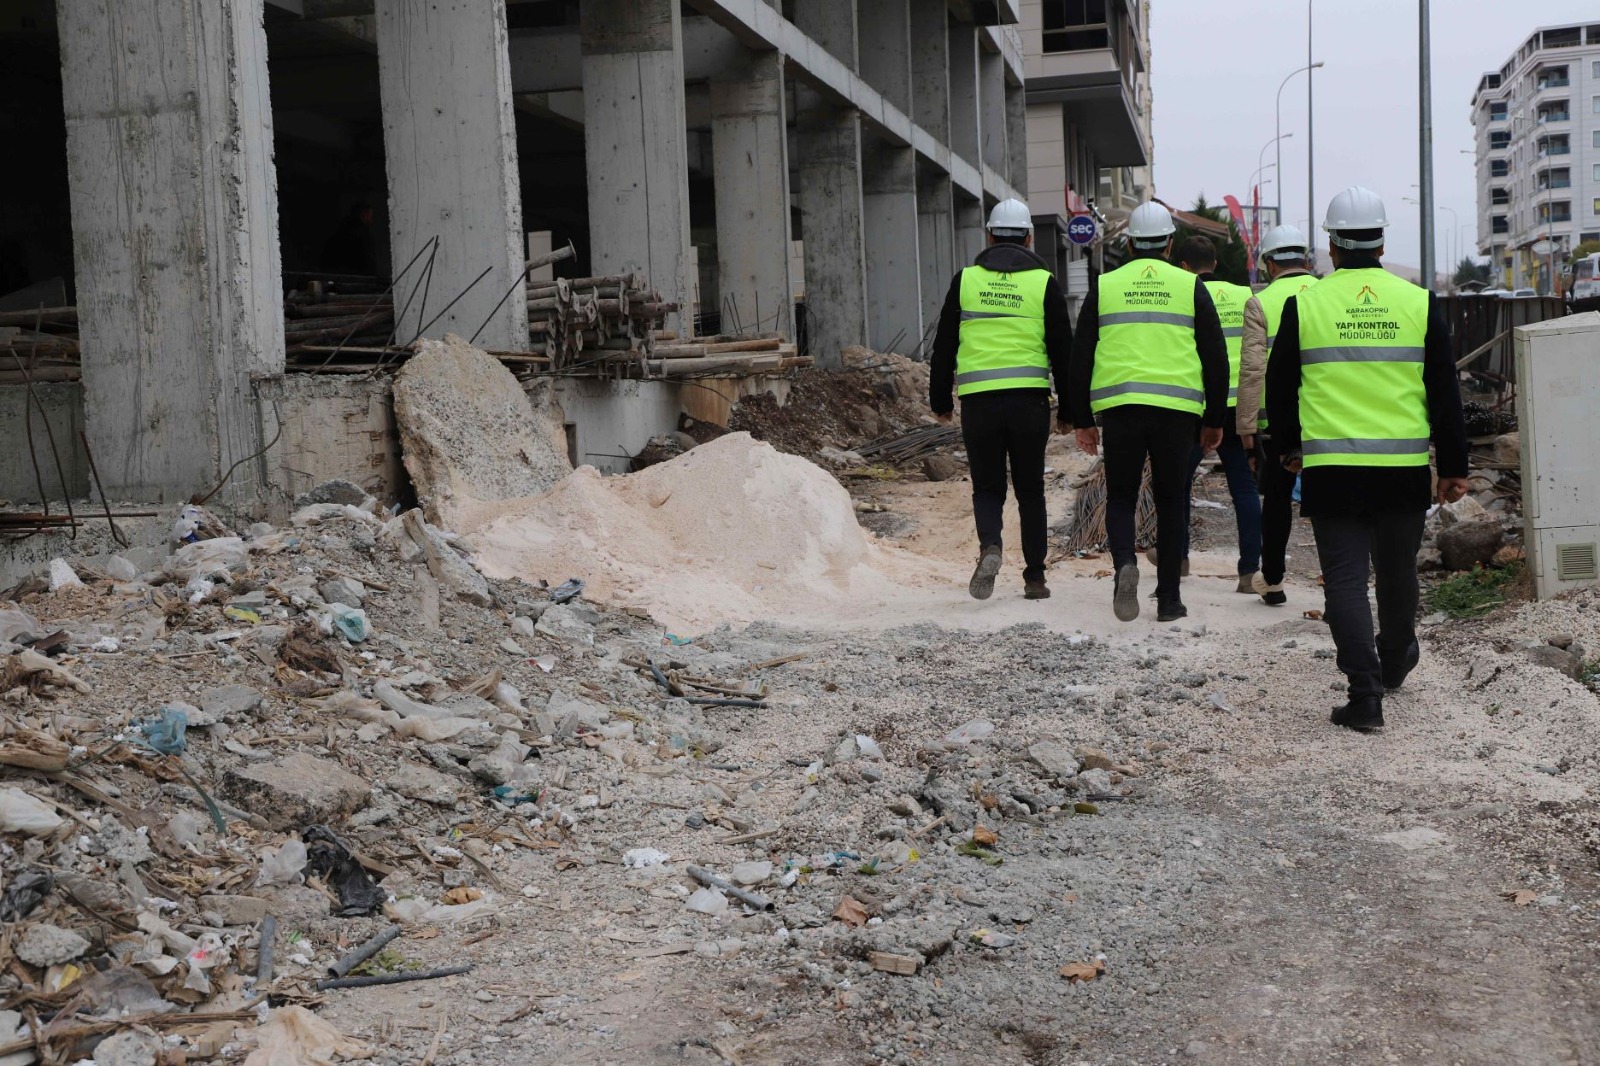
column 1546, row 117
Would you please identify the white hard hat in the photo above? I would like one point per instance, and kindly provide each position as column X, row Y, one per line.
column 1356, row 208
column 1010, row 218
column 1286, row 239
column 1152, row 223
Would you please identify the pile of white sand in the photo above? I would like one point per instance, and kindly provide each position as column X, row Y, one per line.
column 732, row 530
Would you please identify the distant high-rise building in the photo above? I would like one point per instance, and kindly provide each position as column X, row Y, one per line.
column 1537, row 120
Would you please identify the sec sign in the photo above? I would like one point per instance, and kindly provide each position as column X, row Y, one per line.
column 1081, row 229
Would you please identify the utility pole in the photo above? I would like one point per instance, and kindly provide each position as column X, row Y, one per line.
column 1311, row 140
column 1425, row 89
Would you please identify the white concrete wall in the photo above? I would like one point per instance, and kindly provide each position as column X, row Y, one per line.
column 451, row 143
column 175, row 238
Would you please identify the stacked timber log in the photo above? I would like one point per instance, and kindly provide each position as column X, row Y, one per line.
column 353, row 320
column 595, row 320
column 729, row 354
column 43, row 340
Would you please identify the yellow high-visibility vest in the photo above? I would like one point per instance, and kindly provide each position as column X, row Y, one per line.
column 1146, row 352
column 1272, row 298
column 1002, row 331
column 1362, row 398
column 1229, row 299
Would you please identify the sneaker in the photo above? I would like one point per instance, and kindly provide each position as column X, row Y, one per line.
column 1035, row 590
column 1150, row 554
column 1125, row 593
column 1271, row 595
column 1394, row 674
column 1171, row 611
column 982, row 584
column 1247, row 583
column 1362, row 713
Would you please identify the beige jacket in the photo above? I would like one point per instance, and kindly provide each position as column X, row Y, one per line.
column 1252, row 367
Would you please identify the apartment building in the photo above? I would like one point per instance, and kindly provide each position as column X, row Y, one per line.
column 1537, row 121
column 1087, row 64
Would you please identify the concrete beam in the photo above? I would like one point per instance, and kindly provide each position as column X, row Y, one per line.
column 890, row 227
column 175, row 239
column 750, row 166
column 451, row 143
column 761, row 27
column 936, row 239
column 551, row 60
column 636, row 145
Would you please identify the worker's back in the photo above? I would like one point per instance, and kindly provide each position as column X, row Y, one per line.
column 1146, row 350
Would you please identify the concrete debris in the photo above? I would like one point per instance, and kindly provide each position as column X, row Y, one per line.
column 1468, row 543
column 337, row 491
column 48, row 945
column 469, row 434
column 299, row 789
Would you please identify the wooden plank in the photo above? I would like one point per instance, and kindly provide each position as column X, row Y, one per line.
column 888, row 962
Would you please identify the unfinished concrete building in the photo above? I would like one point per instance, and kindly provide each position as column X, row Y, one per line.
column 815, row 169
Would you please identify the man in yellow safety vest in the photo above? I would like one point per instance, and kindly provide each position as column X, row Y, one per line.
column 1004, row 331
column 1361, row 378
column 1284, row 252
column 1150, row 364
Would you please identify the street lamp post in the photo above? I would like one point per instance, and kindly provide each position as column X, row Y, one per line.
column 1425, row 138
column 1277, row 127
column 1454, row 233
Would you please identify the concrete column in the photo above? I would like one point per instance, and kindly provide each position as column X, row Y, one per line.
column 894, row 268
column 828, row 154
column 451, row 146
column 930, row 67
column 936, row 238
column 636, row 144
column 885, row 25
column 175, row 239
column 1017, row 137
column 971, row 237
column 750, row 165
column 992, row 109
column 964, row 139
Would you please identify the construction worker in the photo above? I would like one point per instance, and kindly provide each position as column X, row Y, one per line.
column 1004, row 332
column 1360, row 378
column 1284, row 251
column 1151, row 365
column 1198, row 256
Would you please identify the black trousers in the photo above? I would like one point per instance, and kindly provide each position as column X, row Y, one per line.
column 1277, row 513
column 1347, row 547
column 1128, row 435
column 1009, row 426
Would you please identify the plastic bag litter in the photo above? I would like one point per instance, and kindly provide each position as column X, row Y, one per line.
column 708, row 901
column 205, row 558
column 282, row 866
column 62, row 576
column 638, row 858
column 410, row 910
column 869, row 747
column 195, row 524
column 1220, row 702
column 329, row 859
column 293, row 1036
column 421, row 720
column 167, row 733
column 567, row 591
column 351, row 622
column 967, row 733
column 318, row 513
column 119, row 569
column 22, row 813
column 25, row 891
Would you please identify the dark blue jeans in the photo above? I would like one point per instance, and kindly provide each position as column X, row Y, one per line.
column 1246, row 499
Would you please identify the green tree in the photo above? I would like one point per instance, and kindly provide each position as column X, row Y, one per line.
column 1587, row 248
column 1468, row 270
column 1232, row 261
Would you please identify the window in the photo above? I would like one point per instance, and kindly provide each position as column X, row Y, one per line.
column 1595, row 70
column 1595, row 103
column 1499, row 168
column 1499, row 196
column 1597, row 138
column 1075, row 25
column 1597, row 205
column 1597, row 172
column 1499, row 225
column 1497, row 111
column 1499, row 139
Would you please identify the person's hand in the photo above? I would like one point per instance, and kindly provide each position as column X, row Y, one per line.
column 1210, row 437
column 945, row 419
column 1063, row 427
column 1452, row 489
column 1089, row 440
column 1292, row 462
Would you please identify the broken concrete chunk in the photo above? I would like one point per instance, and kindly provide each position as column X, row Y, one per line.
column 1054, row 759
column 563, row 623
column 345, row 590
column 337, row 491
column 1095, row 759
column 236, row 910
column 228, row 703
column 469, row 433
column 1466, row 544
column 295, row 791
column 425, row 784
column 48, row 945
column 420, row 540
column 128, row 1048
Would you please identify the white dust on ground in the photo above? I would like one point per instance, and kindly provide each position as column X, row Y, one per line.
column 733, row 530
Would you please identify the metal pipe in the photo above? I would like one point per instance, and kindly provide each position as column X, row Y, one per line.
column 390, row 978
column 745, row 896
column 364, row 952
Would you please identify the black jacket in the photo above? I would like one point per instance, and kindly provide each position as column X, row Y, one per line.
column 1334, row 491
column 1208, row 340
column 1003, row 259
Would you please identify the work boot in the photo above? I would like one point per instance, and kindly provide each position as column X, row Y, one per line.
column 1394, row 673
column 1362, row 713
column 1171, row 611
column 1125, row 593
column 982, row 584
column 1155, row 560
column 1271, row 595
column 1247, row 583
column 1035, row 590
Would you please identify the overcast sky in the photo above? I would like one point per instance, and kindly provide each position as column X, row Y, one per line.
column 1216, row 69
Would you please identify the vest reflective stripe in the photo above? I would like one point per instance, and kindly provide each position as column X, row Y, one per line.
column 1002, row 331
column 973, row 377
column 1146, row 351
column 1229, row 300
column 1362, row 398
column 1272, row 298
